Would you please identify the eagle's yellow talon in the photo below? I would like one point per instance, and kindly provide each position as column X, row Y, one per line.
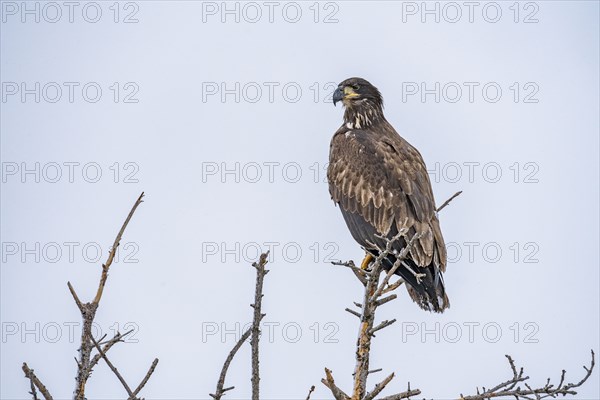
column 366, row 261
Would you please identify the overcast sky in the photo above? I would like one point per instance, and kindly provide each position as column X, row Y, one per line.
column 221, row 113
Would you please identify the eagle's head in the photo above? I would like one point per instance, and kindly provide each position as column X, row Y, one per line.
column 363, row 102
column 356, row 92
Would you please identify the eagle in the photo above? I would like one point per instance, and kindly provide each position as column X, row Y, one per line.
column 381, row 185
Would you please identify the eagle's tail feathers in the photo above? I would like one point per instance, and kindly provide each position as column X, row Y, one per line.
column 428, row 291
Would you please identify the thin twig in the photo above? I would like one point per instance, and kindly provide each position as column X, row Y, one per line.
column 312, row 389
column 112, row 367
column 393, row 286
column 116, row 339
column 146, row 378
column 356, row 314
column 359, row 273
column 75, row 297
column 220, row 391
column 386, row 299
column 440, row 208
column 113, row 250
column 379, row 387
column 36, row 382
column 33, row 391
column 403, row 395
column 382, row 325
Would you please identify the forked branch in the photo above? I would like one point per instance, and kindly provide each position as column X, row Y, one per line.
column 88, row 313
column 253, row 331
column 86, row 362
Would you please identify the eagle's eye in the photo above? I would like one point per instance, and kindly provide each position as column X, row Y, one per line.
column 355, row 87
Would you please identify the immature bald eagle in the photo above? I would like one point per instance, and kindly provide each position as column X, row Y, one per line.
column 381, row 185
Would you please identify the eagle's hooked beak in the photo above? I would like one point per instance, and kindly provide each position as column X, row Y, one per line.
column 338, row 95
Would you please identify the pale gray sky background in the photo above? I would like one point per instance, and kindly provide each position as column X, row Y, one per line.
column 220, row 113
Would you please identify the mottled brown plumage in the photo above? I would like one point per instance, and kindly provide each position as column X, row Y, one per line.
column 381, row 184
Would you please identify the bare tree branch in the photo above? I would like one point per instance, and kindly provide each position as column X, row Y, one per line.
column 132, row 394
column 86, row 362
column 220, row 391
column 75, row 297
column 379, row 387
column 403, row 395
column 35, row 382
column 113, row 250
column 393, row 286
column 366, row 331
column 88, row 311
column 253, row 331
column 356, row 314
column 373, row 290
column 312, row 389
column 112, row 368
column 146, row 378
column 328, row 381
column 258, row 316
column 386, row 299
column 116, row 339
column 383, row 324
column 33, row 392
column 509, row 388
column 359, row 273
column 440, row 208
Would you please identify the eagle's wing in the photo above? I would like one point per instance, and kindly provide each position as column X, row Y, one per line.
column 384, row 180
